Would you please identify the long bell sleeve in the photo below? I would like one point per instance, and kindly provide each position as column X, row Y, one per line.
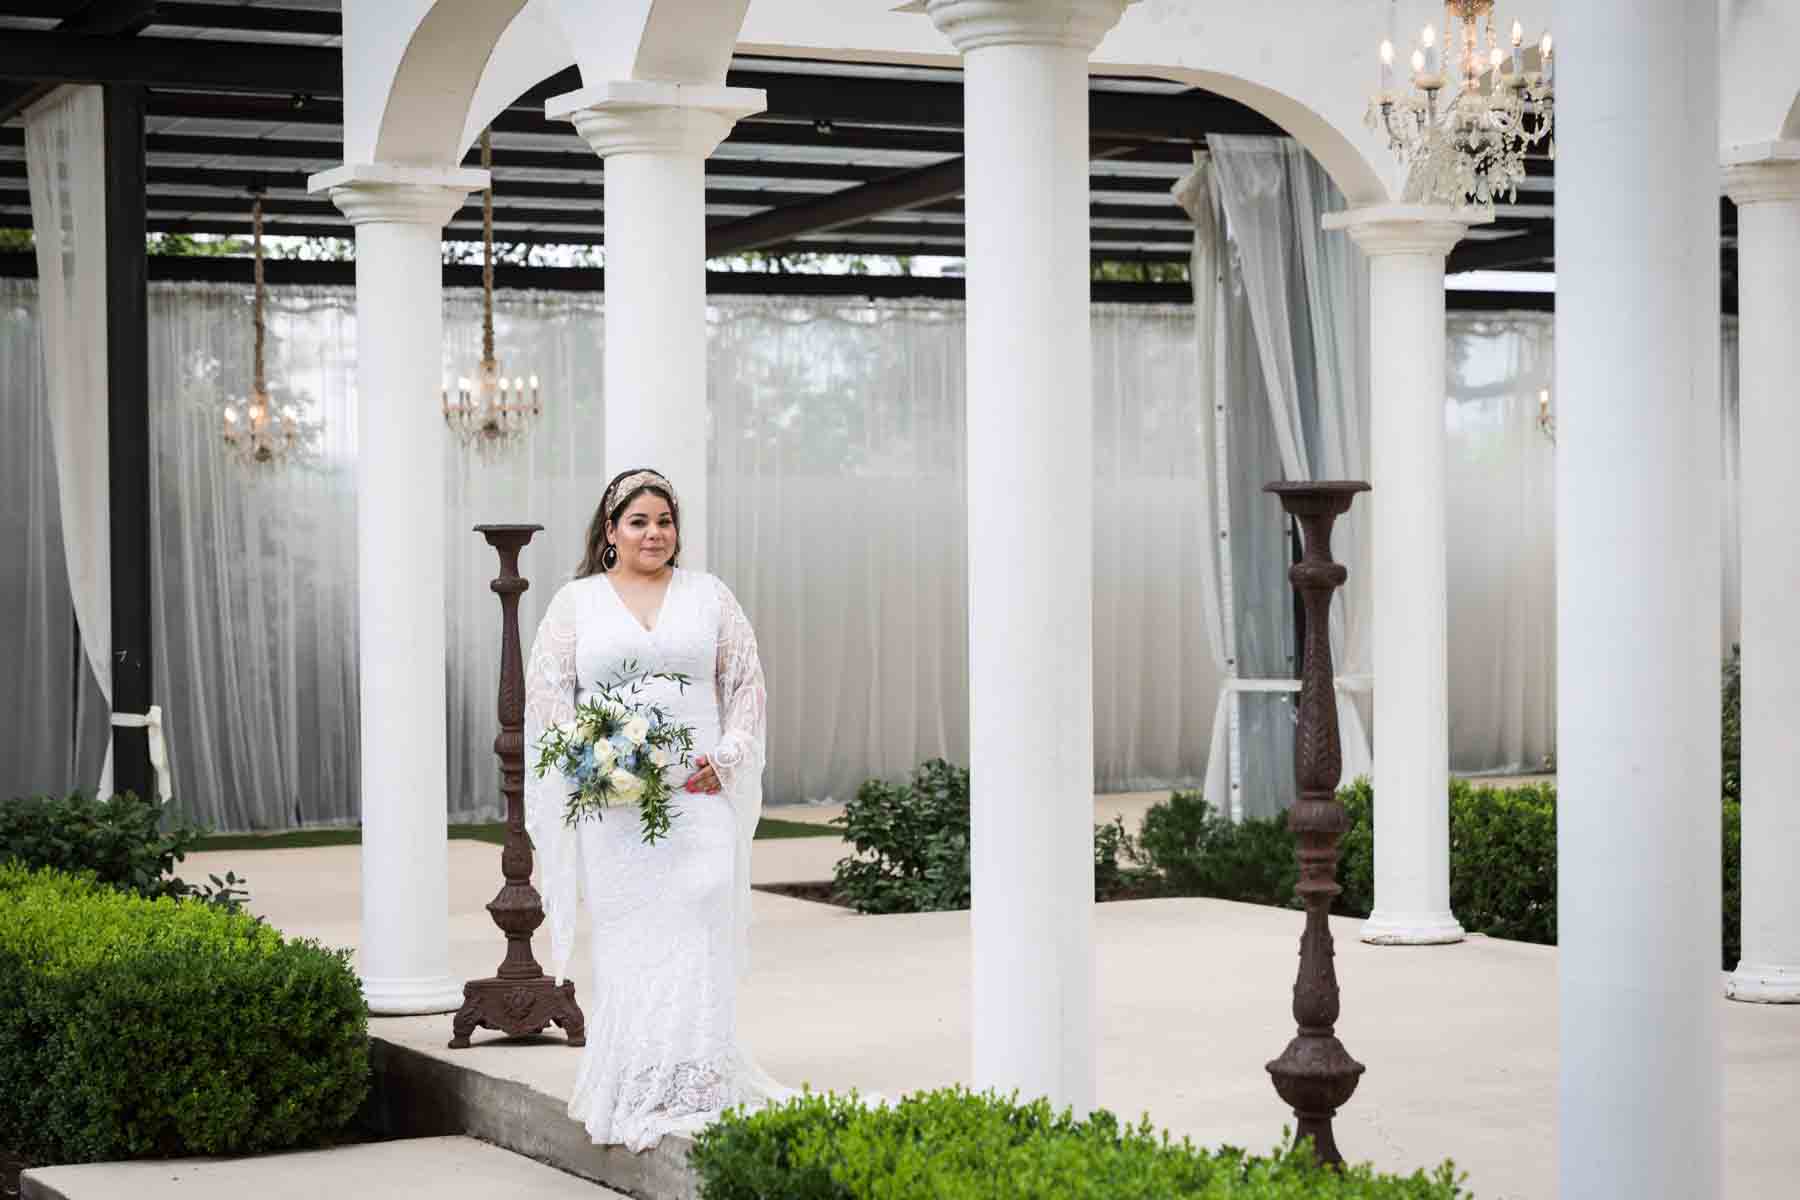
column 550, row 682
column 743, row 739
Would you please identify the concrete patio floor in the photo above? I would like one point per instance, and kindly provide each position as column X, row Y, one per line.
column 1460, row 1041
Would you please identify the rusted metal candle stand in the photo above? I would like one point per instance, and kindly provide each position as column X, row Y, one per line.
column 1315, row 1074
column 519, row 1000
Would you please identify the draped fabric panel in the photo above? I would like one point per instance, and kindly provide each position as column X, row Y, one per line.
column 45, row 673
column 65, row 155
column 1303, row 305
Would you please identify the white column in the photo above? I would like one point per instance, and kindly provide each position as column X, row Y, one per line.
column 1768, row 198
column 655, row 138
column 1637, row 580
column 1030, row 417
column 399, row 214
column 1406, row 246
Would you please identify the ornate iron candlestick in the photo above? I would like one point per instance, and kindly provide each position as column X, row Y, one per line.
column 519, row 999
column 1315, row 1074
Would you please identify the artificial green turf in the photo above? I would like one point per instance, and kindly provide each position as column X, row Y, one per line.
column 492, row 831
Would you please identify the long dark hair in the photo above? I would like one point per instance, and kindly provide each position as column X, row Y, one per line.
column 593, row 560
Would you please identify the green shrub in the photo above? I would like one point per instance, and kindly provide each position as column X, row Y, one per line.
column 1732, row 839
column 1111, row 843
column 912, row 845
column 912, row 841
column 1356, row 851
column 1191, row 850
column 1731, row 734
column 132, row 1028
column 955, row 1145
column 120, row 840
column 1503, row 861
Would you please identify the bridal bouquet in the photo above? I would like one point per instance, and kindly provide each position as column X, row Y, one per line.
column 619, row 750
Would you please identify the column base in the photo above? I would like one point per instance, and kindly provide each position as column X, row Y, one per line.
column 412, row 997
column 1763, row 983
column 1411, row 929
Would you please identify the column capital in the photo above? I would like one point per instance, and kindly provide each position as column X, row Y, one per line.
column 1765, row 173
column 634, row 116
column 389, row 194
column 977, row 24
column 1389, row 229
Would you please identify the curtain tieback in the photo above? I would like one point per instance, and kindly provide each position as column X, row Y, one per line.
column 152, row 724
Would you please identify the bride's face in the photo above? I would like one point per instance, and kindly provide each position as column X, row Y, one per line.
column 645, row 535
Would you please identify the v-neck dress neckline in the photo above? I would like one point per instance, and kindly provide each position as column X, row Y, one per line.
column 661, row 609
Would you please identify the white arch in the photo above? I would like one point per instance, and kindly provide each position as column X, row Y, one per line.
column 668, row 41
column 1758, row 80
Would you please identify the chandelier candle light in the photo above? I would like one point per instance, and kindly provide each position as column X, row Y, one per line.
column 256, row 432
column 1473, row 111
column 490, row 412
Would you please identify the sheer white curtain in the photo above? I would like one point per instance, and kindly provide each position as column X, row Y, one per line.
column 1304, row 307
column 1501, row 544
column 66, row 170
column 554, row 479
column 838, row 515
column 254, row 608
column 42, row 687
column 837, row 505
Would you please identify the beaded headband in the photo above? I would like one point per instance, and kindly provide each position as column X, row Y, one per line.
column 632, row 483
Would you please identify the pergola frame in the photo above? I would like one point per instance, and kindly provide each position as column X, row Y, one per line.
column 1663, row 82
column 199, row 181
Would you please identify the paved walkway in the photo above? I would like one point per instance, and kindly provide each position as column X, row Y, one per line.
column 450, row 1168
column 1460, row 1041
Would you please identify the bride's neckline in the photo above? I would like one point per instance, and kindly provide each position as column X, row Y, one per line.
column 661, row 605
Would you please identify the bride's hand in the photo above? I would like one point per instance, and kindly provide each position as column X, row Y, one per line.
column 703, row 780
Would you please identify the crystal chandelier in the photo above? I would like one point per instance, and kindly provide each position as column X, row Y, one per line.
column 1472, row 113
column 490, row 412
column 256, row 431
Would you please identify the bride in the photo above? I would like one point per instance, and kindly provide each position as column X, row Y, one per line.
column 670, row 921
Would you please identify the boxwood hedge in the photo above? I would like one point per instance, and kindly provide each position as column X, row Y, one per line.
column 135, row 1028
column 957, row 1145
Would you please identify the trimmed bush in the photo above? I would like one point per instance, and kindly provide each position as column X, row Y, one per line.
column 134, row 1028
column 912, row 842
column 912, row 845
column 120, row 840
column 1189, row 849
column 955, row 1145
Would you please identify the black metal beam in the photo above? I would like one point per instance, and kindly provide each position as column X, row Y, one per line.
column 95, row 16
column 902, row 230
column 821, row 101
column 238, row 180
column 288, row 272
column 1508, row 252
column 128, row 429
column 56, row 57
column 250, row 18
column 926, row 187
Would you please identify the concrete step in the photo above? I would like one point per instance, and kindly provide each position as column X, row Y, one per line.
column 438, row 1168
column 430, row 1095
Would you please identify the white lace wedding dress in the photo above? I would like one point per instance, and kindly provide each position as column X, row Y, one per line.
column 670, row 921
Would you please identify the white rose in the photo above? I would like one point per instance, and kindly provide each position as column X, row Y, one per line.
column 660, row 757
column 582, row 735
column 625, row 785
column 636, row 730
column 605, row 756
